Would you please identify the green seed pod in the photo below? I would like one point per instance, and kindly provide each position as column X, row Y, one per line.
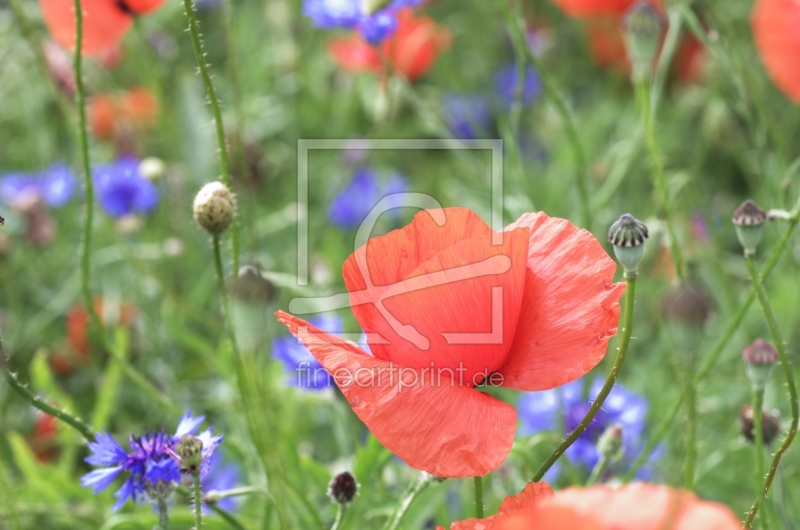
column 628, row 235
column 749, row 220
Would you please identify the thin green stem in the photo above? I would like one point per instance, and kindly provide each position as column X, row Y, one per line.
column 598, row 469
column 479, row 497
column 417, row 486
column 758, row 446
column 163, row 514
column 198, row 502
column 516, row 22
column 627, row 327
column 690, row 391
column 340, row 511
column 761, row 294
column 658, row 434
column 643, row 94
column 220, row 130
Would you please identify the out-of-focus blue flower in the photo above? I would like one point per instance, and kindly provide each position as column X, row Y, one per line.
column 303, row 369
column 148, row 461
column 122, row 190
column 54, row 186
column 349, row 14
column 564, row 408
column 222, row 476
column 364, row 191
column 506, row 84
column 467, row 115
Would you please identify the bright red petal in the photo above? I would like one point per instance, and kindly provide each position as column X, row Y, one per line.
column 104, row 23
column 527, row 499
column 389, row 259
column 449, row 431
column 354, row 54
column 141, row 7
column 513, row 511
column 776, row 31
column 570, row 309
column 457, row 311
column 583, row 8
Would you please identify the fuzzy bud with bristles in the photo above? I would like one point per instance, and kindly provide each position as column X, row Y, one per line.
column 643, row 25
column 343, row 488
column 759, row 358
column 770, row 424
column 749, row 220
column 610, row 443
column 214, row 207
column 628, row 235
column 190, row 454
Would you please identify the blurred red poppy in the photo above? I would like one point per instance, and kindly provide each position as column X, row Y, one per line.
column 134, row 110
column 446, row 309
column 585, row 8
column 78, row 323
column 43, row 441
column 776, row 31
column 632, row 507
column 105, row 22
column 411, row 51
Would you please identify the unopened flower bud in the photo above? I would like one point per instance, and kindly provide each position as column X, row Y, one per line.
column 250, row 287
column 628, row 235
column 189, row 451
column 759, row 358
column 770, row 424
column 642, row 25
column 749, row 220
column 343, row 488
column 610, row 443
column 152, row 168
column 214, row 207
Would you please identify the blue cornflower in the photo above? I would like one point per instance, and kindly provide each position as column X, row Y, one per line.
column 147, row 463
column 565, row 407
column 54, row 186
column 349, row 14
column 506, row 83
column 364, row 191
column 467, row 115
column 122, row 190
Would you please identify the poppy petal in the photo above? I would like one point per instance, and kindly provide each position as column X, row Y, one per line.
column 570, row 309
column 444, row 429
column 776, row 32
column 141, row 7
column 389, row 259
column 513, row 505
column 104, row 23
column 354, row 54
column 457, row 311
column 533, row 493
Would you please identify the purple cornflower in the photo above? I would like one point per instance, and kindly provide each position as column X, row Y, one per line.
column 467, row 115
column 349, row 14
column 506, row 85
column 54, row 186
column 565, row 407
column 148, row 463
column 364, row 191
column 122, row 190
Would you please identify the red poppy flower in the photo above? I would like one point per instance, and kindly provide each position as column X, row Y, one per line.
column 776, row 30
column 633, row 507
column 134, row 110
column 78, row 324
column 445, row 309
column 44, row 438
column 584, row 8
column 105, row 22
column 411, row 51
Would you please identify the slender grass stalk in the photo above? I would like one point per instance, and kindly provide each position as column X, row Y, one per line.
column 198, row 502
column 417, row 486
column 690, row 391
column 761, row 294
column 516, row 22
column 341, row 510
column 163, row 514
column 479, row 497
column 643, row 94
column 758, row 447
column 627, row 325
column 598, row 469
column 220, row 130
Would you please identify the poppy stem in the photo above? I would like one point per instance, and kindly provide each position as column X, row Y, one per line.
column 340, row 511
column 220, row 130
column 690, row 391
column 417, row 486
column 478, row 497
column 627, row 323
column 724, row 339
column 763, row 300
column 758, row 446
column 643, row 94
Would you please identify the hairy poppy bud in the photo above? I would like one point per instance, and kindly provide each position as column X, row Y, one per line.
column 770, row 424
column 628, row 235
column 759, row 358
column 642, row 24
column 190, row 454
column 251, row 287
column 749, row 220
column 214, row 207
column 343, row 488
column 610, row 442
